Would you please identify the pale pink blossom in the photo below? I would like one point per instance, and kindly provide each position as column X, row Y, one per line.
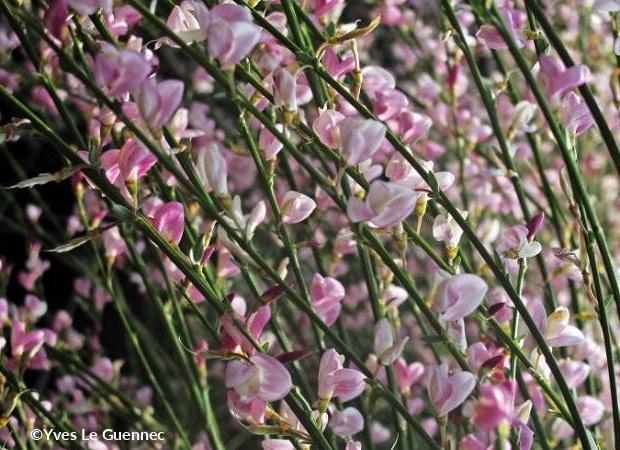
column 458, row 296
column 296, row 207
column 447, row 392
column 326, row 295
column 386, row 205
column 338, row 382
column 263, row 377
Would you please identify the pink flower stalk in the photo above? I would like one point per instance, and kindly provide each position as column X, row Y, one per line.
column 120, row 71
column 263, row 378
column 575, row 114
column 169, row 221
column 327, row 127
column 556, row 80
column 515, row 243
column 386, row 346
column 449, row 392
column 296, row 207
column 336, row 381
column 157, row 102
column 555, row 328
column 360, row 139
column 347, row 422
column 458, row 296
column 326, row 295
column 386, row 205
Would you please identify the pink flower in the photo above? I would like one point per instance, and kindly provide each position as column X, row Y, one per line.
column 575, row 114
column 494, row 405
column 88, row 7
column 120, row 71
column 412, row 126
column 389, row 103
column 386, row 346
column 325, row 295
column 268, row 143
column 336, row 381
column 360, row 139
column 334, row 66
column 591, row 409
column 448, row 392
column 353, row 445
column 448, row 231
column 515, row 243
column 296, row 207
column 212, row 168
column 574, row 372
column 458, row 296
column 514, row 21
column 347, row 422
column 134, row 161
column 231, row 34
column 407, row 375
column 285, row 90
column 327, row 127
column 555, row 328
column 25, row 345
column 158, row 102
column 169, row 221
column 183, row 21
column 277, row 444
column 556, row 80
column 263, row 378
column 386, row 205
column 232, row 337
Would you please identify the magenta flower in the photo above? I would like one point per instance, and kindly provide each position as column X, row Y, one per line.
column 556, row 80
column 263, row 378
column 458, row 296
column 296, row 207
column 336, row 381
column 233, row 338
column 157, row 102
column 325, row 295
column 386, row 205
column 360, row 139
column 448, row 392
column 169, row 221
column 120, row 71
